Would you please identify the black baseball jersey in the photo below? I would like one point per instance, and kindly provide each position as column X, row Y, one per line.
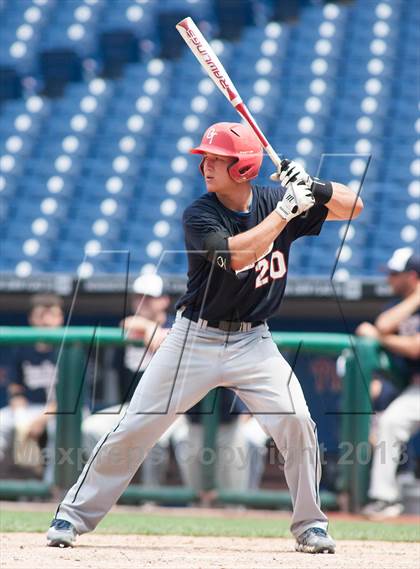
column 215, row 291
column 34, row 371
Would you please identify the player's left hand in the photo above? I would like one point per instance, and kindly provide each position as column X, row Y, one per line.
column 290, row 172
column 297, row 199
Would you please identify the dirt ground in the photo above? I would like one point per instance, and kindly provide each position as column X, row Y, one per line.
column 28, row 550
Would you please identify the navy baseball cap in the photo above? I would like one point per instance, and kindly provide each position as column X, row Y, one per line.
column 404, row 260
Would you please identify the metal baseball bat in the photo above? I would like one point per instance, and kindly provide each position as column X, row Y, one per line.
column 211, row 63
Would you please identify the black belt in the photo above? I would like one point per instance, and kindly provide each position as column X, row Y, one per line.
column 225, row 325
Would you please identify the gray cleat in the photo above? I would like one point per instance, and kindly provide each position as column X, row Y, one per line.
column 61, row 534
column 382, row 510
column 315, row 540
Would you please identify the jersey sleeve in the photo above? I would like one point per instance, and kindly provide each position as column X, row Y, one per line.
column 308, row 223
column 198, row 226
column 206, row 235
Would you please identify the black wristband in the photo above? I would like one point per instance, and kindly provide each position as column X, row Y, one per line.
column 322, row 191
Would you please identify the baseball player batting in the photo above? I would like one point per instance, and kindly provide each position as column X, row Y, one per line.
column 238, row 238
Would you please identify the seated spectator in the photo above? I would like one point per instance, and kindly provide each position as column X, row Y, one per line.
column 231, row 459
column 29, row 416
column 240, row 446
column 148, row 323
column 397, row 329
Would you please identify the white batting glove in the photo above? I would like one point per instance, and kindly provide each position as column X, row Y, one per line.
column 297, row 199
column 290, row 172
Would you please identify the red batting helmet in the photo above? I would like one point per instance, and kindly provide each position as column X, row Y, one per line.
column 235, row 140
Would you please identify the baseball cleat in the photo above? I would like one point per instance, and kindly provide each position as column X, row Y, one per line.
column 61, row 534
column 382, row 510
column 315, row 540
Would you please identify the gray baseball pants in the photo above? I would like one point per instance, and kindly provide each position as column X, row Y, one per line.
column 396, row 425
column 191, row 361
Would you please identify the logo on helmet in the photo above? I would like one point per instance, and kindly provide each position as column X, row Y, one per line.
column 211, row 133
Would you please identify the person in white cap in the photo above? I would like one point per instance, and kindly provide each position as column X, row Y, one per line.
column 397, row 329
column 149, row 305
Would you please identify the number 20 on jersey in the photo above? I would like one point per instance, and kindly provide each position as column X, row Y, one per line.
column 273, row 269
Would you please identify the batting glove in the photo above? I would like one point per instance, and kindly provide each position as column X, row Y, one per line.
column 291, row 171
column 297, row 199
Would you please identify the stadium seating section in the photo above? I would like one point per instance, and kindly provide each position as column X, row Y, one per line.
column 100, row 166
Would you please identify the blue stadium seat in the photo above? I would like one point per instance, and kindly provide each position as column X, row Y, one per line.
column 122, row 144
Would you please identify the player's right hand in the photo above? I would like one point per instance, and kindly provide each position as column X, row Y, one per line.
column 297, row 199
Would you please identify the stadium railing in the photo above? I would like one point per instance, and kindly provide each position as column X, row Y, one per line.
column 363, row 356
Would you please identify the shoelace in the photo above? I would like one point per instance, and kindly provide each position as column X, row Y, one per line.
column 316, row 531
column 61, row 524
